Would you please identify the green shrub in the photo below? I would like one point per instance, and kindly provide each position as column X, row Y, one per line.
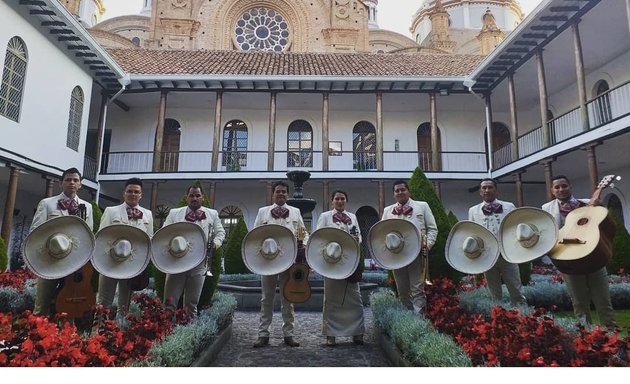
column 422, row 189
column 97, row 213
column 233, row 257
column 4, row 257
column 416, row 338
column 621, row 247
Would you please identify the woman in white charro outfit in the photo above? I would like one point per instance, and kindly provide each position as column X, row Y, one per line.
column 343, row 307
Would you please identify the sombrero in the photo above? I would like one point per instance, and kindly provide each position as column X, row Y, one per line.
column 394, row 243
column 269, row 249
column 332, row 253
column 526, row 234
column 121, row 251
column 178, row 247
column 471, row 248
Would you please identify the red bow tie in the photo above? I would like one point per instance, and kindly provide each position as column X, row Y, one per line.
column 69, row 205
column 134, row 214
column 402, row 210
column 197, row 215
column 280, row 212
column 490, row 208
column 341, row 217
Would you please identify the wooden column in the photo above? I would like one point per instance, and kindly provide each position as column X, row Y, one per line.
column 435, row 150
column 100, row 132
column 579, row 71
column 520, row 201
column 212, row 193
column 548, row 175
column 542, row 94
column 269, row 192
column 216, row 137
column 326, row 197
column 159, row 133
column 513, row 116
column 9, row 206
column 154, row 196
column 325, row 130
column 50, row 182
column 381, row 197
column 489, row 125
column 593, row 177
column 271, row 145
column 379, row 131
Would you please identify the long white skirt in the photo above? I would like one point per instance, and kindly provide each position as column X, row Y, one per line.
column 343, row 309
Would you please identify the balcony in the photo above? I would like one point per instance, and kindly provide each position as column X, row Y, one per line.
column 602, row 110
column 256, row 161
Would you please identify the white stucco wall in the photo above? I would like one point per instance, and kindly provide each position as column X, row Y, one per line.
column 41, row 133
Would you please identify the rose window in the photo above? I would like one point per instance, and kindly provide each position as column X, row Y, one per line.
column 262, row 29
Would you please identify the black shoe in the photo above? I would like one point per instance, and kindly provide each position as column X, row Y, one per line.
column 357, row 339
column 330, row 341
column 261, row 342
column 288, row 340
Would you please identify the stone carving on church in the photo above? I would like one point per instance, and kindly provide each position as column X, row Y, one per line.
column 180, row 3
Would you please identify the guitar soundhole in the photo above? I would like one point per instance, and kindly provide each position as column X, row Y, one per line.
column 77, row 277
column 297, row 275
column 582, row 221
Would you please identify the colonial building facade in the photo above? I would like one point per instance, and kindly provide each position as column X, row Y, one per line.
column 218, row 93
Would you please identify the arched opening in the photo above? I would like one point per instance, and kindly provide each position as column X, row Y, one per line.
column 229, row 218
column 425, row 151
column 603, row 112
column 234, row 145
column 364, row 146
column 170, row 146
column 300, row 144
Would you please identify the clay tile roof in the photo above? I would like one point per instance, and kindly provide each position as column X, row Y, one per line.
column 179, row 62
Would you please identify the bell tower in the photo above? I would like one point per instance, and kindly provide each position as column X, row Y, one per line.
column 440, row 24
column 490, row 35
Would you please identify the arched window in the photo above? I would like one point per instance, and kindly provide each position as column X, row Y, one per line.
column 300, row 144
column 74, row 119
column 13, row 79
column 229, row 218
column 235, row 145
column 136, row 41
column 364, row 146
column 424, row 146
column 603, row 113
column 170, row 146
column 500, row 135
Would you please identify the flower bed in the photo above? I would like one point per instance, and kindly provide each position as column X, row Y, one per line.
column 151, row 329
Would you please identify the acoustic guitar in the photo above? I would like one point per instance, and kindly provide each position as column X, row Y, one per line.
column 76, row 296
column 585, row 241
column 296, row 288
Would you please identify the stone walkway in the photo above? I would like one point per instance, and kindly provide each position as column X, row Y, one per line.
column 312, row 351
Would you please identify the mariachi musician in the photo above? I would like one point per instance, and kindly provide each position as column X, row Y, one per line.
column 583, row 287
column 290, row 217
column 66, row 203
column 343, row 308
column 129, row 213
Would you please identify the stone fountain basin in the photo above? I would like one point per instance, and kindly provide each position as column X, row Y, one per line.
column 248, row 292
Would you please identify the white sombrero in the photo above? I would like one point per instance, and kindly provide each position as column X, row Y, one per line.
column 471, row 248
column 121, row 251
column 59, row 247
column 269, row 249
column 394, row 243
column 526, row 234
column 332, row 253
column 178, row 247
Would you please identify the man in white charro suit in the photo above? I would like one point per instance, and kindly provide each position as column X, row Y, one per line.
column 290, row 217
column 582, row 288
column 489, row 213
column 190, row 283
column 65, row 204
column 409, row 279
column 128, row 213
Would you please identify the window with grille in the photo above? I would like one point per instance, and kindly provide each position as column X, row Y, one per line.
column 74, row 118
column 234, row 145
column 229, row 218
column 300, row 144
column 13, row 79
column 364, row 146
column 603, row 113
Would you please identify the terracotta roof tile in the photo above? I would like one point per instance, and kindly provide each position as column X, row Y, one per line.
column 179, row 62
